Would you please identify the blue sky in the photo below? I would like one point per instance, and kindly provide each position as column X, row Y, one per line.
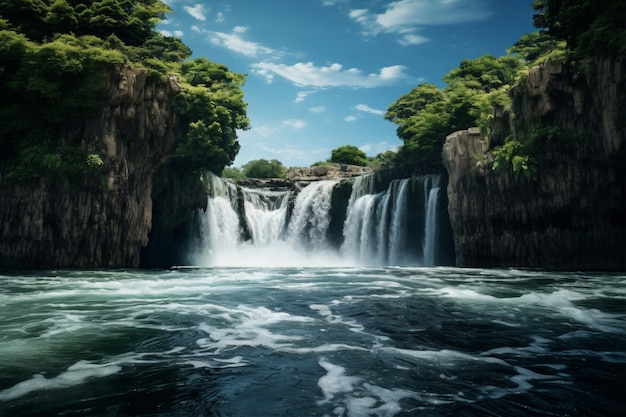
column 322, row 73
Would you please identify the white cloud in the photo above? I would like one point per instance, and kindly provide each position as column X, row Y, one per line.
column 332, row 2
column 405, row 17
column 412, row 39
column 367, row 109
column 318, row 109
column 197, row 11
column 236, row 43
column 219, row 17
column 295, row 123
column 307, row 74
column 264, row 131
column 379, row 147
column 302, row 95
column 176, row 33
column 350, row 119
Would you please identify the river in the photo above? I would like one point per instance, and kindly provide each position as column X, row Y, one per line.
column 312, row 341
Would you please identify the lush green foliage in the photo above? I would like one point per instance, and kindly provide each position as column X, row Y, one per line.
column 590, row 27
column 233, row 172
column 54, row 59
column 515, row 154
column 426, row 115
column 211, row 102
column 479, row 87
column 348, row 154
column 262, row 168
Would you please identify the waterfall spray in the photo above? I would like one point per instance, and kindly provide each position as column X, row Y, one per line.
column 293, row 228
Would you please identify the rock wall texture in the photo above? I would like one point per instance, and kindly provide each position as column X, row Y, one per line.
column 574, row 215
column 50, row 223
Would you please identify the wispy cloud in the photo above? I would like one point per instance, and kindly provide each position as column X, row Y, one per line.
column 376, row 148
column 318, row 109
column 310, row 75
column 332, row 2
column 302, row 95
column 236, row 43
column 198, row 11
column 176, row 33
column 295, row 123
column 351, row 119
column 404, row 18
column 367, row 109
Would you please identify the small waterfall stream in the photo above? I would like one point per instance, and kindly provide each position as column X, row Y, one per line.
column 395, row 226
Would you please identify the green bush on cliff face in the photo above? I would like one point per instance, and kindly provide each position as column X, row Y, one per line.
column 55, row 56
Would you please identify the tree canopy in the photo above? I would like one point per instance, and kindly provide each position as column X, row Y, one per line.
column 590, row 27
column 427, row 115
column 348, row 154
column 262, row 168
column 53, row 58
column 573, row 29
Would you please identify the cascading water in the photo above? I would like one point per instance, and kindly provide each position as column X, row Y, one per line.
column 375, row 230
column 431, row 188
column 396, row 226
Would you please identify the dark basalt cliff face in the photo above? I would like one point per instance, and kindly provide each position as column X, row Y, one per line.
column 574, row 215
column 104, row 221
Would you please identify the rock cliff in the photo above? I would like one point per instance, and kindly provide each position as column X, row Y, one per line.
column 104, row 221
column 573, row 216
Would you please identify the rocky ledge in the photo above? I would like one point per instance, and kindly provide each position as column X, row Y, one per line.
column 326, row 172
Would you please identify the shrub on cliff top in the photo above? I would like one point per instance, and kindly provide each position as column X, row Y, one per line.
column 54, row 57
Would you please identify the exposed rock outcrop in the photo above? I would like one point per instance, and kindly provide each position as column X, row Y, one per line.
column 574, row 215
column 104, row 221
column 326, row 172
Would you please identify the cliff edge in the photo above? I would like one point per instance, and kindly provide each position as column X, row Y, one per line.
column 101, row 222
column 573, row 215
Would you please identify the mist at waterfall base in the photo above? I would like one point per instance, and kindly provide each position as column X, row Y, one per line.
column 337, row 341
column 352, row 222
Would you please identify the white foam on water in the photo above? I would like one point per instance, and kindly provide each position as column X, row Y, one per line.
column 353, row 397
column 330, row 347
column 322, row 309
column 249, row 329
column 75, row 375
column 217, row 363
column 335, row 381
column 464, row 294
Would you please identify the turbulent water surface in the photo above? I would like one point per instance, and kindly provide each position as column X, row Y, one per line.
column 312, row 342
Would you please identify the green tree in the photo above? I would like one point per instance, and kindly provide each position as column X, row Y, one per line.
column 348, row 154
column 533, row 47
column 427, row 115
column 590, row 27
column 54, row 57
column 262, row 168
column 233, row 172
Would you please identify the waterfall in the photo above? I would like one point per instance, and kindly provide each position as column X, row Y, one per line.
column 375, row 230
column 266, row 214
column 311, row 218
column 219, row 226
column 395, row 226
